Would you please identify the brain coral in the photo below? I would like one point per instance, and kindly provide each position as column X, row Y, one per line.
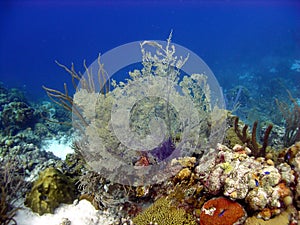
column 161, row 212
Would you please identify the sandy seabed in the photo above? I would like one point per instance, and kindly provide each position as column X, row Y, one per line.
column 79, row 213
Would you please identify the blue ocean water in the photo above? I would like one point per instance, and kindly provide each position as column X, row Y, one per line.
column 234, row 38
column 253, row 49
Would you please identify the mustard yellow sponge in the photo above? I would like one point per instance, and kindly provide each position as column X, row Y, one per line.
column 50, row 190
column 162, row 213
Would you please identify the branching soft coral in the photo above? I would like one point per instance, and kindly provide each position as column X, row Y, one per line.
column 291, row 115
column 12, row 184
column 251, row 142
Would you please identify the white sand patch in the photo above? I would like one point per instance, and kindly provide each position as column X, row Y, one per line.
column 82, row 213
column 59, row 147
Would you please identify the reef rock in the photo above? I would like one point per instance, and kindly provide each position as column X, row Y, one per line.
column 233, row 173
column 17, row 115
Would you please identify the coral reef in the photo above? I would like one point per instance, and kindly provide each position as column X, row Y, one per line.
column 16, row 116
column 31, row 157
column 238, row 176
column 207, row 184
column 282, row 219
column 11, row 95
column 291, row 156
column 263, row 188
column 25, row 126
column 49, row 191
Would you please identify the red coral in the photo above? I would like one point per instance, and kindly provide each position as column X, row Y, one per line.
column 222, row 211
column 143, row 161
